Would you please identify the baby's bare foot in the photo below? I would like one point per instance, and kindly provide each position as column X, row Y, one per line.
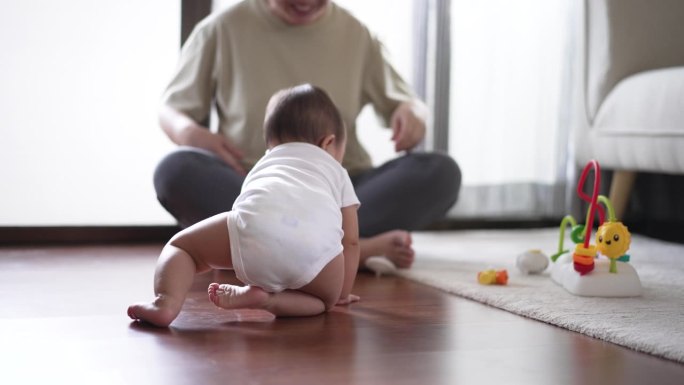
column 159, row 313
column 237, row 297
column 395, row 245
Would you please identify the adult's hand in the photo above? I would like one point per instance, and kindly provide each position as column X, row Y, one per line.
column 408, row 125
column 184, row 131
column 200, row 137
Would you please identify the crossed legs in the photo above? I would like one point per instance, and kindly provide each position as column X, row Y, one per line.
column 405, row 194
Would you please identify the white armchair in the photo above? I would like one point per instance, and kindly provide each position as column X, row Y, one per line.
column 634, row 90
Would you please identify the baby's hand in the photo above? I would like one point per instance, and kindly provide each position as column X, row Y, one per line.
column 349, row 299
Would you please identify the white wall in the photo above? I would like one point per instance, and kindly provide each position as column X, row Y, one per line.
column 81, row 81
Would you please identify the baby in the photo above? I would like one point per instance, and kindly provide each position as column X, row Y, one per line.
column 292, row 235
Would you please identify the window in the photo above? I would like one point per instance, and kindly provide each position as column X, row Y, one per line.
column 510, row 101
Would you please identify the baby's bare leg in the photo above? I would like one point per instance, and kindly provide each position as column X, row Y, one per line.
column 172, row 280
column 319, row 295
column 289, row 303
column 193, row 250
column 237, row 297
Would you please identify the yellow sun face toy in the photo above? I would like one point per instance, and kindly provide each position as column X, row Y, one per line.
column 613, row 239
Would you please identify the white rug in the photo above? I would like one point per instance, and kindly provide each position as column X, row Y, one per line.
column 652, row 323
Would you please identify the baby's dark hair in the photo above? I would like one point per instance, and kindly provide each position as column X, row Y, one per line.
column 304, row 113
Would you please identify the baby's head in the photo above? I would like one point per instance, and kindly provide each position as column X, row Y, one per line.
column 305, row 113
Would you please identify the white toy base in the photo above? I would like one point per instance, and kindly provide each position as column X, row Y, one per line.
column 598, row 283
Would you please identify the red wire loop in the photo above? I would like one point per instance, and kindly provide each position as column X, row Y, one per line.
column 593, row 200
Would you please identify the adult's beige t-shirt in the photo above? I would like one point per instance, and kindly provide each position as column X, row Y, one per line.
column 239, row 57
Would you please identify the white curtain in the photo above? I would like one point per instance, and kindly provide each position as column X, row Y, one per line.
column 511, row 103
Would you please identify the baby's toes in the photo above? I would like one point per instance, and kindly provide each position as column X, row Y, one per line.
column 212, row 292
column 131, row 313
column 212, row 288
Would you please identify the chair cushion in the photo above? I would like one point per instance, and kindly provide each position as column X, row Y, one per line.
column 640, row 126
column 626, row 37
column 649, row 103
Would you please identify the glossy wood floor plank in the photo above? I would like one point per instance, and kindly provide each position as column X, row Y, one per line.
column 62, row 320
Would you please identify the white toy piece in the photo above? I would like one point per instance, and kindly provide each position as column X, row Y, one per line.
column 532, row 262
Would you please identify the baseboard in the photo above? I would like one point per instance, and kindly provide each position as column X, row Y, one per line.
column 84, row 234
column 492, row 224
column 672, row 231
column 22, row 235
column 665, row 230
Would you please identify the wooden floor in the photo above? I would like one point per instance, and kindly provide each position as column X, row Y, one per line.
column 63, row 320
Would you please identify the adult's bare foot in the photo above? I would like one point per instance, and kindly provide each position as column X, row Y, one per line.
column 395, row 245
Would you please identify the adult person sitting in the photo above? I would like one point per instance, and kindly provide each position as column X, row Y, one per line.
column 236, row 59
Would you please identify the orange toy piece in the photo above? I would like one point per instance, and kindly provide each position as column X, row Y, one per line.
column 493, row 277
column 501, row 277
column 584, row 258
